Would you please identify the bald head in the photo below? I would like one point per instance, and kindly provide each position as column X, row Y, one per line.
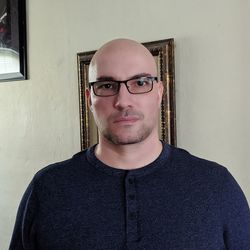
column 121, row 59
column 123, row 117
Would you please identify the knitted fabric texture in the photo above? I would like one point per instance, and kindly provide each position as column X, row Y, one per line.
column 177, row 202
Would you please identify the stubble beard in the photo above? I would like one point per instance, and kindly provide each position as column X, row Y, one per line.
column 135, row 137
column 128, row 134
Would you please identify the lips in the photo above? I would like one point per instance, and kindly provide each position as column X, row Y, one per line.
column 127, row 119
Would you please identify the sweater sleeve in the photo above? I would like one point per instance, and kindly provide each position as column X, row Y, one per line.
column 236, row 215
column 23, row 233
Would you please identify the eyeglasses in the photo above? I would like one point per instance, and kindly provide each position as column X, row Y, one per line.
column 137, row 85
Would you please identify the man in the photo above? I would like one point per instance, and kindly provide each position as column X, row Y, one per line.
column 131, row 191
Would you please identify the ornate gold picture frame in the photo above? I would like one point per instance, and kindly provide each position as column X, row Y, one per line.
column 163, row 52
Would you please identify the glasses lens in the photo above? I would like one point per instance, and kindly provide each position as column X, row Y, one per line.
column 140, row 85
column 106, row 88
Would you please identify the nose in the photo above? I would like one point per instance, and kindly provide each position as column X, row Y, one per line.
column 123, row 98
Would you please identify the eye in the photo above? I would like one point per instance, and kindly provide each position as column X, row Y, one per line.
column 142, row 82
column 105, row 85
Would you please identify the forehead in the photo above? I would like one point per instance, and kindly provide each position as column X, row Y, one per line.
column 122, row 62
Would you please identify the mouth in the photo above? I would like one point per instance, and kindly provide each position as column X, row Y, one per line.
column 126, row 120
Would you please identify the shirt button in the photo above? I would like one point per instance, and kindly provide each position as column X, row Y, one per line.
column 131, row 196
column 131, row 181
column 131, row 216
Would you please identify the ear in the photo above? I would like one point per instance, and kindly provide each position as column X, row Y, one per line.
column 88, row 96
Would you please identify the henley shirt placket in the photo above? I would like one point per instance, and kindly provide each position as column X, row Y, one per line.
column 131, row 209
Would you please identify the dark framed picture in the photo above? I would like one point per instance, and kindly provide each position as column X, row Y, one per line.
column 13, row 49
column 163, row 52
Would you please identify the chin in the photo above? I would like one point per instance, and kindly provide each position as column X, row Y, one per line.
column 119, row 141
column 125, row 139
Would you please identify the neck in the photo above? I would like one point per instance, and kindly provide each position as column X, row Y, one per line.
column 130, row 156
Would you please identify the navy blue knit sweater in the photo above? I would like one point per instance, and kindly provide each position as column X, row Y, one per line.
column 177, row 202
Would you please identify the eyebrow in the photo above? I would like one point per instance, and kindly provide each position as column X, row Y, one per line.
column 110, row 78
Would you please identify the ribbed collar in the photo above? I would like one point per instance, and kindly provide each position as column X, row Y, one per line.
column 162, row 161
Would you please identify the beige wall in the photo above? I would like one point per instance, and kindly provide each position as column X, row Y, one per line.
column 39, row 118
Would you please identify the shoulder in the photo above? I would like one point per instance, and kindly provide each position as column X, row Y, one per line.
column 62, row 170
column 188, row 162
column 206, row 174
column 208, row 181
column 202, row 173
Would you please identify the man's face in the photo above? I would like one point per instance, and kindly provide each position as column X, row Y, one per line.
column 125, row 118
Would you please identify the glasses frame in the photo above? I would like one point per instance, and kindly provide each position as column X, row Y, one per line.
column 152, row 78
column 163, row 52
